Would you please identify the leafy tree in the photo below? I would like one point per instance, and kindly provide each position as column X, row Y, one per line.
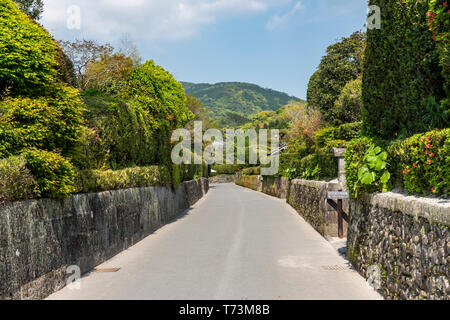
column 349, row 103
column 200, row 113
column 342, row 63
column 28, row 64
column 109, row 74
column 33, row 8
column 83, row 53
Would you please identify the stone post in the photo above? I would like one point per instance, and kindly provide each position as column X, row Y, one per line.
column 340, row 154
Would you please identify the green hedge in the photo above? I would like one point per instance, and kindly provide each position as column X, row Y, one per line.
column 104, row 180
column 401, row 71
column 424, row 162
column 227, row 168
column 54, row 174
column 419, row 164
column 253, row 171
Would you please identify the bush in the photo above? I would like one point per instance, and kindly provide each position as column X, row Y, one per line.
column 354, row 161
column 349, row 103
column 401, row 71
column 253, row 171
column 16, row 181
column 425, row 163
column 320, row 165
column 54, row 174
column 48, row 123
column 28, row 54
column 138, row 177
column 227, row 168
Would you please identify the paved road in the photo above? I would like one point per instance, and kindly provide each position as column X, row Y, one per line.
column 233, row 244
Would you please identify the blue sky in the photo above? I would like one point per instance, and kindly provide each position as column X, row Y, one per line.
column 273, row 43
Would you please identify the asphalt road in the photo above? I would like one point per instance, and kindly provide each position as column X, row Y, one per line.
column 233, row 244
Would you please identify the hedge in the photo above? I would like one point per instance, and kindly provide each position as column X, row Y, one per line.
column 401, row 71
column 227, row 168
column 419, row 165
column 104, row 180
column 16, row 181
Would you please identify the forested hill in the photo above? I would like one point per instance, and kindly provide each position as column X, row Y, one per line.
column 234, row 103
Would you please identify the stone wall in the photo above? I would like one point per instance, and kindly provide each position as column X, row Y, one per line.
column 222, row 178
column 251, row 182
column 275, row 186
column 407, row 239
column 39, row 239
column 309, row 199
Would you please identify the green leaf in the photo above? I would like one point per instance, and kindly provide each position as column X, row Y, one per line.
column 368, row 178
column 385, row 177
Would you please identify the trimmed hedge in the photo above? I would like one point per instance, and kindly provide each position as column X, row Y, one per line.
column 419, row 164
column 424, row 162
column 104, row 180
column 401, row 71
column 227, row 168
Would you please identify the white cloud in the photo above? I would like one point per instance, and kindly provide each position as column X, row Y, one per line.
column 147, row 20
column 280, row 20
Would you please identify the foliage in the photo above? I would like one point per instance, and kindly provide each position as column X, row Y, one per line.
column 28, row 64
column 349, row 103
column 342, row 63
column 439, row 24
column 32, row 8
column 372, row 173
column 104, row 180
column 425, row 162
column 333, row 136
column 50, row 123
column 108, row 75
column 401, row 70
column 16, row 181
column 198, row 110
column 233, row 103
column 227, row 168
column 253, row 171
column 305, row 122
column 54, row 174
column 83, row 53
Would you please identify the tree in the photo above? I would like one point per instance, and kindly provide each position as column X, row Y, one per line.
column 200, row 112
column 28, row 54
column 342, row 64
column 109, row 74
column 349, row 104
column 32, row 8
column 82, row 53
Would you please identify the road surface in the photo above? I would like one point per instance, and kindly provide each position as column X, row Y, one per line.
column 233, row 244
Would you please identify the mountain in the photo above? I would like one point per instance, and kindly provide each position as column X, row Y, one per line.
column 233, row 104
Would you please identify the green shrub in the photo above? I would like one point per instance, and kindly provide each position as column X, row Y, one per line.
column 54, row 174
column 348, row 131
column 227, row 168
column 354, row 161
column 401, row 70
column 48, row 123
column 16, row 181
column 349, row 103
column 324, row 135
column 28, row 64
column 425, row 163
column 320, row 165
column 253, row 171
column 138, row 177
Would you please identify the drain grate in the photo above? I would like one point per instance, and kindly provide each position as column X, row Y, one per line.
column 106, row 270
column 336, row 268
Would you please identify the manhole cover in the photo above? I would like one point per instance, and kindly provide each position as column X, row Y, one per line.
column 105, row 270
column 336, row 268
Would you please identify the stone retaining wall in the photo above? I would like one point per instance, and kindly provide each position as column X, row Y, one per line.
column 309, row 199
column 275, row 186
column 39, row 239
column 406, row 239
column 251, row 182
column 222, row 178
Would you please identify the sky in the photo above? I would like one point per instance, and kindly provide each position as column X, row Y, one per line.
column 276, row 44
